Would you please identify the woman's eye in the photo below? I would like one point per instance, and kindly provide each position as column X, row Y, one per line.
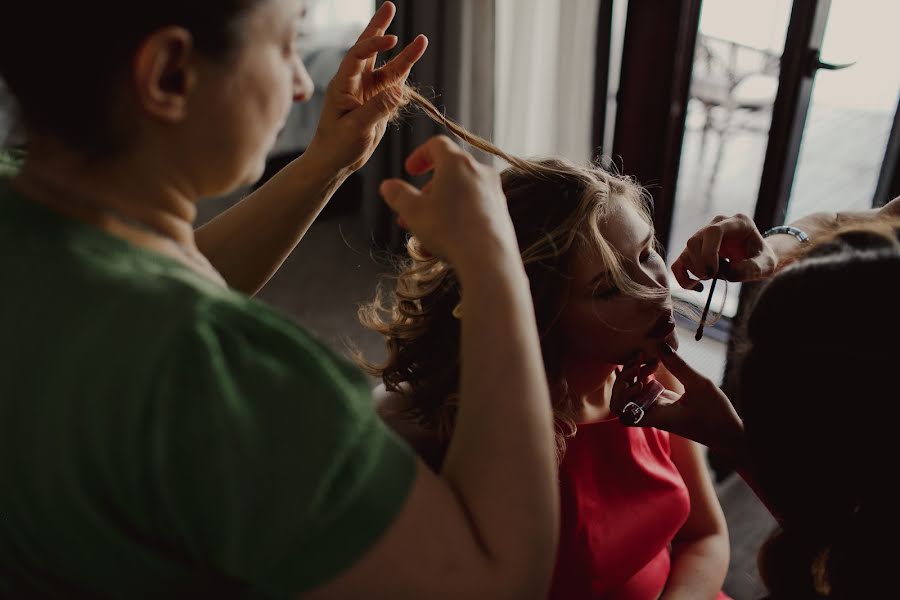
column 648, row 255
column 606, row 294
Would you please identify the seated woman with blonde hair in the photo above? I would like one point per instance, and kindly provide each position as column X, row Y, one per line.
column 640, row 518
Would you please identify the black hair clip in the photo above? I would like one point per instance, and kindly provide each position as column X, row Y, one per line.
column 723, row 268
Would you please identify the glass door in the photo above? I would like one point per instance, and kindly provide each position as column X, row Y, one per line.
column 736, row 68
column 790, row 111
column 851, row 111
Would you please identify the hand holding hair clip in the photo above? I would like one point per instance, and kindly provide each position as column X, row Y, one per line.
column 723, row 266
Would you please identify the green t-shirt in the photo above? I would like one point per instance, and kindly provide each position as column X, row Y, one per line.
column 161, row 436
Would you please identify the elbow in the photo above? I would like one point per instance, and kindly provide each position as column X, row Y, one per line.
column 713, row 543
column 525, row 573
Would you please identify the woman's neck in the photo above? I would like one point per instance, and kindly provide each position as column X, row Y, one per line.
column 131, row 189
column 130, row 197
column 591, row 383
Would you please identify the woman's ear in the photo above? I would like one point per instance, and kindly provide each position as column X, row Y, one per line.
column 164, row 73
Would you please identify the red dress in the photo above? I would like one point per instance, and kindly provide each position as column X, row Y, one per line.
column 622, row 500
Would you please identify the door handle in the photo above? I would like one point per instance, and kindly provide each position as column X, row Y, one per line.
column 815, row 63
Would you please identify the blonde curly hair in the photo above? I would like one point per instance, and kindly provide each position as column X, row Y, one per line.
column 557, row 209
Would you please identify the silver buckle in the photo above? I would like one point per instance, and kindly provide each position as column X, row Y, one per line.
column 633, row 413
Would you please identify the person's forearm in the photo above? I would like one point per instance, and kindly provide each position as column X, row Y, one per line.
column 821, row 224
column 698, row 568
column 249, row 242
column 501, row 460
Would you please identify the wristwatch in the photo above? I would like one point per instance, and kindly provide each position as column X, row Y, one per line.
column 789, row 230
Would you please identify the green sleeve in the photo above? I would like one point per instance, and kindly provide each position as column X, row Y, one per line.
column 272, row 465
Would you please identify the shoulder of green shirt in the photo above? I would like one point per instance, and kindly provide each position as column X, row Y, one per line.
column 252, row 317
column 279, row 411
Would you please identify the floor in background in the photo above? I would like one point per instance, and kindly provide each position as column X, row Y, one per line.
column 749, row 524
column 333, row 270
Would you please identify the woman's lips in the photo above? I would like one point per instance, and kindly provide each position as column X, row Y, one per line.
column 663, row 326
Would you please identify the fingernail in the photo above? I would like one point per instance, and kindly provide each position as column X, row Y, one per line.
column 666, row 349
column 698, row 287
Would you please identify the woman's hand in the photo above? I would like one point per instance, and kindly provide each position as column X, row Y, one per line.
column 702, row 414
column 461, row 213
column 735, row 238
column 361, row 100
column 753, row 257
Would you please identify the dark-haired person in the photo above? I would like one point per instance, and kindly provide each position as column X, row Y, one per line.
column 817, row 439
column 164, row 435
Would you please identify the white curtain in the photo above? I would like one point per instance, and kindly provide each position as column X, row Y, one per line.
column 476, row 67
column 544, row 76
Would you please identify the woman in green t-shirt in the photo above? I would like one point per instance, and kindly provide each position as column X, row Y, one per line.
column 162, row 433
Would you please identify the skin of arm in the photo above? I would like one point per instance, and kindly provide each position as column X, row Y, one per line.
column 821, row 224
column 250, row 241
column 700, row 550
column 487, row 526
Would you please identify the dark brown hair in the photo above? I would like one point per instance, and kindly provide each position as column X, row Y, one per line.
column 65, row 62
column 819, row 401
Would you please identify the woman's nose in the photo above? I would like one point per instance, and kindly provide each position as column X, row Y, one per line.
column 303, row 86
column 657, row 280
column 652, row 278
